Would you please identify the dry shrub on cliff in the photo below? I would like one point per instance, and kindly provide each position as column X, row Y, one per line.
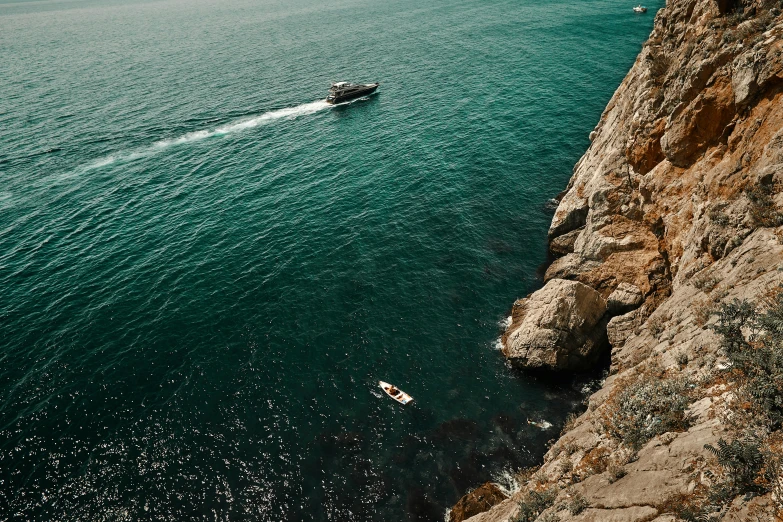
column 525, row 475
column 594, row 462
column 645, row 405
column 744, row 31
column 776, row 465
column 707, row 307
column 763, row 211
column 681, row 358
column 741, row 463
column 602, row 459
column 753, row 343
column 752, row 463
column 688, row 506
column 533, row 503
column 658, row 63
column 568, row 446
column 705, row 283
column 656, row 325
column 570, row 423
column 740, row 468
column 737, row 15
column 716, row 214
column 616, row 472
column 729, row 36
column 754, row 26
column 708, row 501
column 704, row 310
column 566, row 465
column 577, row 503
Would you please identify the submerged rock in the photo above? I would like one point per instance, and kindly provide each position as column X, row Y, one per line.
column 421, row 507
column 558, row 327
column 466, row 429
column 477, row 501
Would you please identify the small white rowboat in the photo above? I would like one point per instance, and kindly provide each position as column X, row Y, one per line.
column 395, row 393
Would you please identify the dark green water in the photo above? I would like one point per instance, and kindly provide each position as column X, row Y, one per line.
column 205, row 271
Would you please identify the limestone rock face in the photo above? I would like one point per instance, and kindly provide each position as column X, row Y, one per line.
column 620, row 328
column 571, row 214
column 755, row 69
column 626, row 297
column 699, row 125
column 477, row 501
column 675, row 209
column 559, row 328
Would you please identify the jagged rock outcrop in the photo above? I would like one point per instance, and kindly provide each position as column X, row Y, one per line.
column 675, row 209
column 481, row 499
column 557, row 327
column 564, row 245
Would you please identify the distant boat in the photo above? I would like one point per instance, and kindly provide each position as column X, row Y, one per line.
column 343, row 91
column 395, row 393
column 542, row 425
column 640, row 9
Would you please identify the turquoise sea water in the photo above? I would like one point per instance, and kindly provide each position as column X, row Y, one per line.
column 205, row 270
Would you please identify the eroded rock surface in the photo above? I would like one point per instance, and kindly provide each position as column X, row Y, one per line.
column 626, row 297
column 674, row 210
column 558, row 327
column 477, row 501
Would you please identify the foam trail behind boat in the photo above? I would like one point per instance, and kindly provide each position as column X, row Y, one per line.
column 191, row 137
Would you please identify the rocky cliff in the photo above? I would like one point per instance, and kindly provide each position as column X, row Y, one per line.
column 671, row 220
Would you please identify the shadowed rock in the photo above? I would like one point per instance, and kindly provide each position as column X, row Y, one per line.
column 477, row 501
column 626, row 297
column 563, row 245
column 560, row 327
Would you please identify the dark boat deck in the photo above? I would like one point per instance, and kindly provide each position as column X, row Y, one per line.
column 344, row 91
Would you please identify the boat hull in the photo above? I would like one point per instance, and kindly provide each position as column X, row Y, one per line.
column 401, row 397
column 353, row 95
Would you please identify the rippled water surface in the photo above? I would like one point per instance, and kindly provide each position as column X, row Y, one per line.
column 205, row 270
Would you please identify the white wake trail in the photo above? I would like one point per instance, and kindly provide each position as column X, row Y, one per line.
column 229, row 128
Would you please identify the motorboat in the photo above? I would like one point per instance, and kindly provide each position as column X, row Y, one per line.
column 344, row 91
column 542, row 424
column 395, row 393
column 639, row 9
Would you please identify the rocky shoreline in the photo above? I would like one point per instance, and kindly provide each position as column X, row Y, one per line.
column 673, row 215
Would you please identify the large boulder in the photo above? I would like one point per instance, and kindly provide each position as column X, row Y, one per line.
column 477, row 501
column 560, row 327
